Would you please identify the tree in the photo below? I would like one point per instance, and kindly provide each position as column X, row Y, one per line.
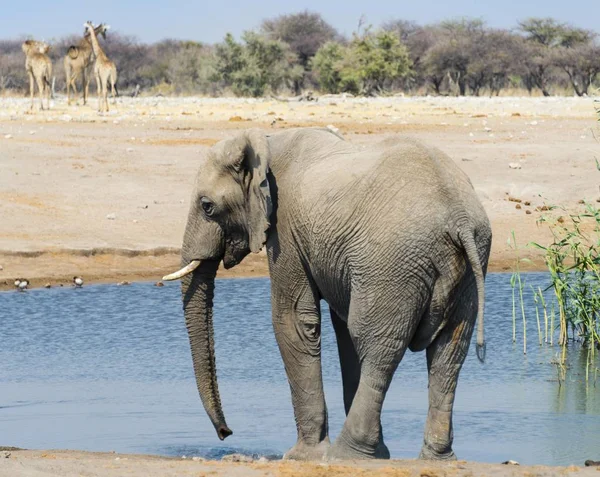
column 459, row 42
column 375, row 60
column 252, row 68
column 305, row 32
column 418, row 40
column 544, row 36
column 190, row 68
column 327, row 66
column 581, row 63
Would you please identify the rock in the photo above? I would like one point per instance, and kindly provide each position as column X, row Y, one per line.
column 6, row 455
column 7, row 136
column 263, row 459
column 111, row 216
column 47, row 285
column 528, row 212
column 518, row 206
column 129, row 149
column 237, row 458
column 510, row 462
column 159, row 284
column 124, row 283
column 514, row 165
column 198, row 459
column 1, row 268
column 333, row 129
column 592, row 463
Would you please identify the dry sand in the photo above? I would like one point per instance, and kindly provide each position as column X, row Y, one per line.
column 106, row 197
column 76, row 463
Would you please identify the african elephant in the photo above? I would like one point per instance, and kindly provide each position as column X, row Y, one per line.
column 392, row 236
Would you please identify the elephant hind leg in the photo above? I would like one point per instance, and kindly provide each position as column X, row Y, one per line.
column 349, row 362
column 380, row 331
column 445, row 357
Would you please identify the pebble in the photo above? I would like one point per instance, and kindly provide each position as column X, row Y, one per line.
column 7, row 136
column 111, row 216
column 123, row 283
column 47, row 285
column 510, row 462
column 198, row 459
column 514, row 165
column 6, row 454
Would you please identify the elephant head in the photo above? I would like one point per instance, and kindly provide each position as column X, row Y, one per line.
column 228, row 218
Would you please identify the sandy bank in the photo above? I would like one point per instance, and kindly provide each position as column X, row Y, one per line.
column 25, row 463
column 74, row 180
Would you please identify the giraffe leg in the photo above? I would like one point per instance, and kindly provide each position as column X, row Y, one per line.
column 31, row 86
column 41, row 90
column 99, row 84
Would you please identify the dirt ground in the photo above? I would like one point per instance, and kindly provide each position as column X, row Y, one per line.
column 76, row 463
column 106, row 196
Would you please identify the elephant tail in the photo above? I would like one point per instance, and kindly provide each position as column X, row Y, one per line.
column 467, row 239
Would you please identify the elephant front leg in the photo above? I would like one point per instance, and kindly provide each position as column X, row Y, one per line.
column 297, row 324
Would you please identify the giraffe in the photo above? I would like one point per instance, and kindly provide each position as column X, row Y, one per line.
column 39, row 69
column 77, row 62
column 104, row 70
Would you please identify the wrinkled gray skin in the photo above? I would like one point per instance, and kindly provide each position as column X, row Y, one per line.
column 392, row 236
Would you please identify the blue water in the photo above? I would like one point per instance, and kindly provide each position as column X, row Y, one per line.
column 109, row 368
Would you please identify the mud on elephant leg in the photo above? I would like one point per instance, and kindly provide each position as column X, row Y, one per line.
column 445, row 357
column 297, row 324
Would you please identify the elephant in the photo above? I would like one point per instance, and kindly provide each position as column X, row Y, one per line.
column 392, row 236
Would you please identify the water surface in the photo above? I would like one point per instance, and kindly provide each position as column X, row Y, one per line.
column 109, row 368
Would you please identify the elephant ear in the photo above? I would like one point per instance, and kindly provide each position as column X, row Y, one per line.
column 252, row 158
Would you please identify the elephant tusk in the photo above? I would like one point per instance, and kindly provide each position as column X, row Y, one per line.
column 189, row 268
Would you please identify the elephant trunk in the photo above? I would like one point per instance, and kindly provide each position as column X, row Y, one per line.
column 197, row 290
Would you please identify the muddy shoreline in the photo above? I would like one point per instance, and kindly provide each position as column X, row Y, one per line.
column 58, row 267
column 71, row 463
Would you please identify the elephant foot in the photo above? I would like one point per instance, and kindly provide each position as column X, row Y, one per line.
column 345, row 449
column 427, row 453
column 303, row 451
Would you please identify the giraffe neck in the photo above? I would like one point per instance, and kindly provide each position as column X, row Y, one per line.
column 86, row 42
column 95, row 45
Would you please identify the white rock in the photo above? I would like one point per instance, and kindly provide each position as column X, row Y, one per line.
column 129, row 149
column 198, row 459
column 7, row 136
column 111, row 216
column 514, row 165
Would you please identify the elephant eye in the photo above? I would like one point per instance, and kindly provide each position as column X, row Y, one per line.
column 207, row 206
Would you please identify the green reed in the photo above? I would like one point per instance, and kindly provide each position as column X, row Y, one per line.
column 573, row 260
column 517, row 284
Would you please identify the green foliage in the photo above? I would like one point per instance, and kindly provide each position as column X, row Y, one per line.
column 190, row 69
column 369, row 65
column 326, row 65
column 379, row 59
column 255, row 67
